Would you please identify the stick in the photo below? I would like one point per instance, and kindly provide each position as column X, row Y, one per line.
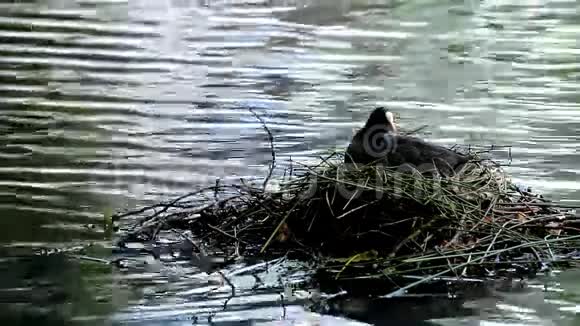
column 271, row 140
column 479, row 259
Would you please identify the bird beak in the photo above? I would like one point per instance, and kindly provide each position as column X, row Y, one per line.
column 391, row 120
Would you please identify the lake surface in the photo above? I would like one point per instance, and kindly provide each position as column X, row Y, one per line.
column 106, row 105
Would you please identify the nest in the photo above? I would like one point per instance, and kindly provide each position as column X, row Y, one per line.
column 374, row 222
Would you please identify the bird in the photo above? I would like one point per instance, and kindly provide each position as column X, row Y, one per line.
column 378, row 142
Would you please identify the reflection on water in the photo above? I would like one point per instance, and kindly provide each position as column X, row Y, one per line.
column 112, row 104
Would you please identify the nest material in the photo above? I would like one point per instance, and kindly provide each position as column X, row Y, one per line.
column 375, row 221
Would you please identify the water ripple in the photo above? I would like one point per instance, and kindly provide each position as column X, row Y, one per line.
column 106, row 104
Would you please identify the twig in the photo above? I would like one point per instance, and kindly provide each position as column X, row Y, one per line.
column 476, row 260
column 355, row 209
column 233, row 294
column 226, row 234
column 416, row 130
column 282, row 221
column 91, row 259
column 413, row 235
column 543, row 204
column 271, row 140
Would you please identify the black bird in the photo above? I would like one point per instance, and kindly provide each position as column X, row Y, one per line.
column 378, row 142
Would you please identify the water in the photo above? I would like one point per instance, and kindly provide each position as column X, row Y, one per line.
column 112, row 104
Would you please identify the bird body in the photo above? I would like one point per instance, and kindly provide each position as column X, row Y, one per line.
column 378, row 142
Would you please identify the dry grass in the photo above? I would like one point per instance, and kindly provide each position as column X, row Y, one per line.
column 375, row 222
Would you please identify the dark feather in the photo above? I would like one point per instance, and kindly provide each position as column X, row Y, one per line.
column 376, row 142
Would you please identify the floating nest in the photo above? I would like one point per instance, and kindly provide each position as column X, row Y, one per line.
column 373, row 222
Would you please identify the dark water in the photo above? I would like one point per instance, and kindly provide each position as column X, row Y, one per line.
column 111, row 104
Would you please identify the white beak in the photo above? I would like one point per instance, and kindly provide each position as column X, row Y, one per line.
column 391, row 120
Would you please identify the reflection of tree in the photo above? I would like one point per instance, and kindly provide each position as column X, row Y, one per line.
column 50, row 143
column 53, row 290
column 35, row 142
column 29, row 204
